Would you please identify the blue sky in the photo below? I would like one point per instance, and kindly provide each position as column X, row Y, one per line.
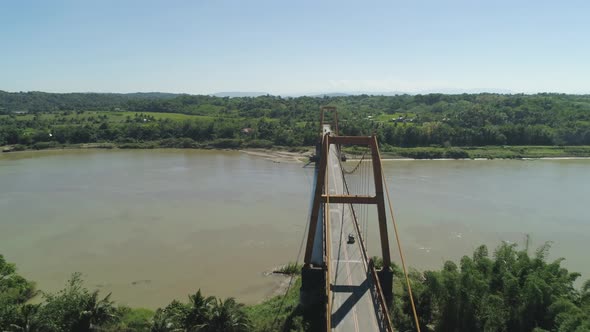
column 294, row 47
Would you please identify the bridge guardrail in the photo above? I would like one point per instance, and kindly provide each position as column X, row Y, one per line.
column 382, row 313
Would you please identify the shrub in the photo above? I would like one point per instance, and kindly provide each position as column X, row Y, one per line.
column 46, row 145
column 259, row 144
column 226, row 143
column 456, row 153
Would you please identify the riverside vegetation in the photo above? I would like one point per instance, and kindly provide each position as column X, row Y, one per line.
column 507, row 291
column 420, row 126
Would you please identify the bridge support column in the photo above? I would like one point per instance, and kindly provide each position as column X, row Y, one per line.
column 385, row 276
column 313, row 286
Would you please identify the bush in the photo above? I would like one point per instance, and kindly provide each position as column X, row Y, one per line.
column 19, row 147
column 290, row 269
column 259, row 144
column 422, row 153
column 46, row 145
column 138, row 145
column 456, row 153
column 226, row 143
column 132, row 319
column 105, row 146
column 181, row 143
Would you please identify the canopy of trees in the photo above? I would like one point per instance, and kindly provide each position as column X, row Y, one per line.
column 77, row 309
column 507, row 291
column 405, row 121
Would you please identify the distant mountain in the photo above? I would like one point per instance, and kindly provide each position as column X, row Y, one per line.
column 462, row 91
column 399, row 93
column 153, row 95
column 232, row 94
column 353, row 93
column 332, row 94
column 381, row 93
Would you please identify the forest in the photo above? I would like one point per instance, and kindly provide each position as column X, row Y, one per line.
column 43, row 120
column 508, row 290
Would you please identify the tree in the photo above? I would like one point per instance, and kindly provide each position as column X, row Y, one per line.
column 15, row 291
column 510, row 292
column 74, row 308
column 205, row 314
column 197, row 312
column 227, row 315
column 27, row 319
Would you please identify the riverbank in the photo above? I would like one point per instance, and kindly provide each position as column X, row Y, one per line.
column 298, row 155
column 279, row 154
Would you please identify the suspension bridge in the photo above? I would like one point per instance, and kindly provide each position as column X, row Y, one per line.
column 338, row 276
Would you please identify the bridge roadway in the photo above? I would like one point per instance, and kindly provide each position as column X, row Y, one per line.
column 353, row 305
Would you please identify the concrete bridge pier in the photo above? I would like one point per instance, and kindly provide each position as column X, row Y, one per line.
column 313, row 286
column 385, row 276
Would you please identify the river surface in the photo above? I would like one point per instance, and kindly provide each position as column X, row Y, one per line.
column 155, row 225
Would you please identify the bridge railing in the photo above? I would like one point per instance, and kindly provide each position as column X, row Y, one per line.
column 382, row 311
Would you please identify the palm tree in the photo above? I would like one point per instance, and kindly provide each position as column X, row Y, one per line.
column 96, row 312
column 197, row 311
column 161, row 322
column 227, row 316
column 27, row 318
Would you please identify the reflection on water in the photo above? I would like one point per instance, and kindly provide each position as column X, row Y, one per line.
column 155, row 225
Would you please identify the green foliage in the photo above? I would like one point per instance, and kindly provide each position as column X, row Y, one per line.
column 283, row 313
column 15, row 291
column 226, row 143
column 75, row 308
column 259, row 144
column 510, row 291
column 290, row 269
column 399, row 121
column 131, row 320
column 13, row 287
column 456, row 153
column 201, row 313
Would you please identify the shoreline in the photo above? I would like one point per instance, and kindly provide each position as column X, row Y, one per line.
column 275, row 155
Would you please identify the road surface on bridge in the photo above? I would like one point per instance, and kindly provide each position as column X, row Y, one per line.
column 353, row 306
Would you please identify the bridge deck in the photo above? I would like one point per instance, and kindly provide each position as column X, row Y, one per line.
column 353, row 305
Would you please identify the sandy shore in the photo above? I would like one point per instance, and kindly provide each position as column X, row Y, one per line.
column 279, row 156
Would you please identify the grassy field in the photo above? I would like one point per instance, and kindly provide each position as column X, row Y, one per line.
column 383, row 117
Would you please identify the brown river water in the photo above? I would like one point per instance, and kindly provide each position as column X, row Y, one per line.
column 155, row 225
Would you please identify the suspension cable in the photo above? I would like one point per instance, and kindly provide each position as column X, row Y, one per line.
column 357, row 165
column 292, row 277
column 368, row 169
column 399, row 246
column 328, row 238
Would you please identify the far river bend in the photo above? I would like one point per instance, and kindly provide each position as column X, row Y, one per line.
column 154, row 225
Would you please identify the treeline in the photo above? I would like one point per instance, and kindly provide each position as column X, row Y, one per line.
column 220, row 133
column 35, row 101
column 77, row 309
column 402, row 121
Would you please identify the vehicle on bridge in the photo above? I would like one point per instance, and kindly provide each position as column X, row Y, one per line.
column 351, row 238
